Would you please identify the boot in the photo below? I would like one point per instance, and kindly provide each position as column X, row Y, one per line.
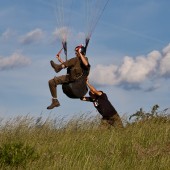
column 55, row 103
column 56, row 67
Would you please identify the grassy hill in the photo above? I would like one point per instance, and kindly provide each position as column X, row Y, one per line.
column 80, row 144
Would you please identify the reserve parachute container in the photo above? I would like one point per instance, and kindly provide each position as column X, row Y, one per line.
column 76, row 89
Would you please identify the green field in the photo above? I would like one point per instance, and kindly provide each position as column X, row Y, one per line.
column 144, row 144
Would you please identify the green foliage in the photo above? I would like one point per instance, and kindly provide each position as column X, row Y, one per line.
column 82, row 144
column 142, row 115
column 16, row 153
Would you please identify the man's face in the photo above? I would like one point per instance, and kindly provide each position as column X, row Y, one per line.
column 76, row 52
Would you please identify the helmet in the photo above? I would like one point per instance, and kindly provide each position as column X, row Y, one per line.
column 82, row 49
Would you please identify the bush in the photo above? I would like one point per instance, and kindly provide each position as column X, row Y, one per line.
column 16, row 154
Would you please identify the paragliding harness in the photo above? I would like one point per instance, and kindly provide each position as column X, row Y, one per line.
column 78, row 87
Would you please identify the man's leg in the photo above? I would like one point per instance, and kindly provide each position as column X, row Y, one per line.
column 104, row 124
column 56, row 67
column 53, row 85
column 116, row 121
column 59, row 67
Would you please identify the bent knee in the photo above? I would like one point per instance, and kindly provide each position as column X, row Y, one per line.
column 51, row 82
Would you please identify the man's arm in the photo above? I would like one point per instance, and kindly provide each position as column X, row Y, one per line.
column 92, row 89
column 88, row 99
column 84, row 59
column 59, row 58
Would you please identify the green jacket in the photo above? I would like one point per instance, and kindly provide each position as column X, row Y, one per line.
column 76, row 68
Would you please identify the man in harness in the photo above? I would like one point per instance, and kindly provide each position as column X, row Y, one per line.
column 75, row 69
column 110, row 117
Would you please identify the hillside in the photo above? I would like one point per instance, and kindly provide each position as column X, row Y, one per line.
column 26, row 143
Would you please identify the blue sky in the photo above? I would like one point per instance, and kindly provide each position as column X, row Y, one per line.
column 129, row 53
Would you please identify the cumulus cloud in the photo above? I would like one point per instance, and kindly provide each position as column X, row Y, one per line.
column 134, row 71
column 32, row 36
column 165, row 62
column 61, row 33
column 16, row 60
column 105, row 75
column 65, row 33
column 7, row 34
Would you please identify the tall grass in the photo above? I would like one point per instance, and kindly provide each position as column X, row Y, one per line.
column 26, row 143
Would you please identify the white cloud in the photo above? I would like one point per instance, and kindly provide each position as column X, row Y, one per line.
column 165, row 62
column 7, row 34
column 134, row 71
column 165, row 66
column 104, row 75
column 32, row 36
column 16, row 60
column 138, row 69
column 61, row 33
column 166, row 50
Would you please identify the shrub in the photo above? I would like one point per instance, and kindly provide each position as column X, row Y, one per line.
column 16, row 154
column 142, row 115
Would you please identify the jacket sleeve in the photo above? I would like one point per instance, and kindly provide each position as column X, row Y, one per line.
column 70, row 63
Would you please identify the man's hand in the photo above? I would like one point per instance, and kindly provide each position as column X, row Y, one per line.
column 58, row 56
column 79, row 51
column 59, row 59
column 82, row 98
column 87, row 80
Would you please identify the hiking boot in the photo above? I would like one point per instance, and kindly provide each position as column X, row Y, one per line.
column 56, row 67
column 55, row 103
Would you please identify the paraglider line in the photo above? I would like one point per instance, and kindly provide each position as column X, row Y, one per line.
column 93, row 28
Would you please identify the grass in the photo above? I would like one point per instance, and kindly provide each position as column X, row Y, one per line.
column 144, row 143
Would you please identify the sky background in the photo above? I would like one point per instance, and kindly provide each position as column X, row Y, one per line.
column 129, row 53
